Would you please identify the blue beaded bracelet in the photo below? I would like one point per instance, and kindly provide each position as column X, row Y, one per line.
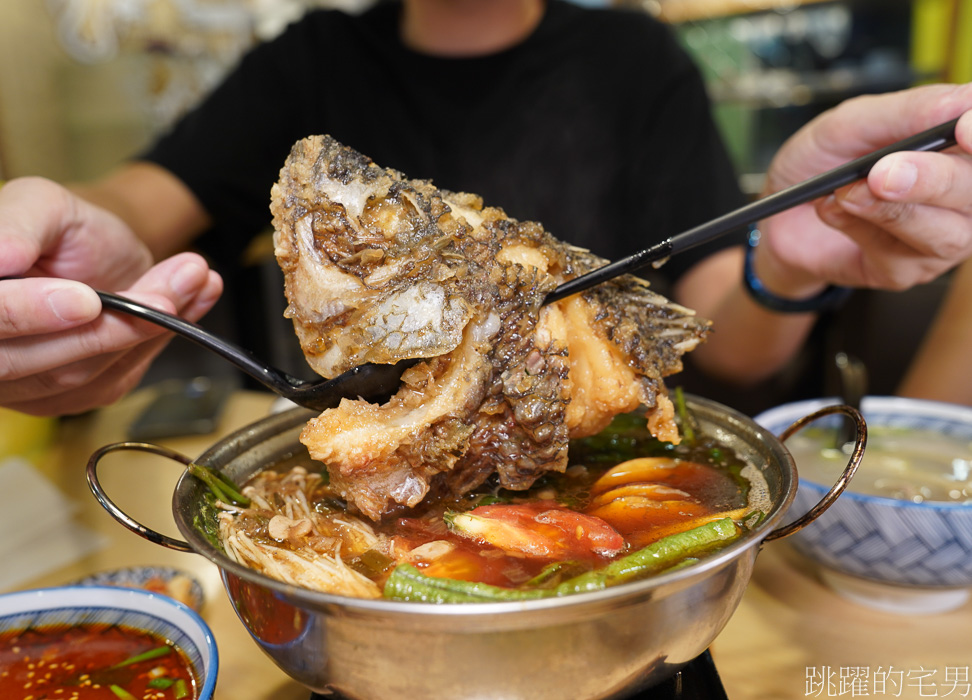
column 830, row 298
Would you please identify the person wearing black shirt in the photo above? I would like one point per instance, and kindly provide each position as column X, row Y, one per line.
column 596, row 124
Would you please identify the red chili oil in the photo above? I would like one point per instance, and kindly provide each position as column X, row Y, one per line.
column 87, row 662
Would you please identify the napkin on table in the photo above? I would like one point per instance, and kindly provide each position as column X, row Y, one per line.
column 39, row 534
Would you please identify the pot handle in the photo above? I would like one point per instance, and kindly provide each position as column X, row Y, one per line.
column 117, row 513
column 860, row 440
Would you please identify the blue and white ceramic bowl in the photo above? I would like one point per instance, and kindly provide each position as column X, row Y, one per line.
column 888, row 553
column 174, row 583
column 130, row 607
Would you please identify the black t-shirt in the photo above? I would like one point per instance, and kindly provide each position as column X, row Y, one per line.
column 597, row 125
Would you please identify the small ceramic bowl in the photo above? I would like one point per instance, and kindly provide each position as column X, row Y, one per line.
column 160, row 615
column 174, row 583
column 884, row 551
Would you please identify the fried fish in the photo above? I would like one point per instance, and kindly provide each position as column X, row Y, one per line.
column 379, row 268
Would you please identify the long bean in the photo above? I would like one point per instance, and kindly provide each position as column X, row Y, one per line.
column 657, row 556
column 408, row 583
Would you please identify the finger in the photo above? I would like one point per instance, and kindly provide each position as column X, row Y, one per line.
column 34, row 306
column 103, row 376
column 894, row 116
column 204, row 299
column 863, row 124
column 189, row 283
column 184, row 281
column 33, row 214
column 48, row 231
column 36, row 397
column 938, row 179
column 963, row 131
column 95, row 345
column 212, row 292
column 871, row 256
column 928, row 230
column 95, row 364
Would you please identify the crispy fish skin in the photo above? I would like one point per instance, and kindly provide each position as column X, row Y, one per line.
column 366, row 256
column 379, row 268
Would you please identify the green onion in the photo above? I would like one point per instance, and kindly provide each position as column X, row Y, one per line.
column 221, row 485
column 121, row 692
column 160, row 683
column 145, row 656
column 753, row 518
column 181, row 691
column 683, row 414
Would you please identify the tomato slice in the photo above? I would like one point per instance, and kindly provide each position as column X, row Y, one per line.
column 541, row 530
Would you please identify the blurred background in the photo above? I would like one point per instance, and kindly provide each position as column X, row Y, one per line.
column 85, row 84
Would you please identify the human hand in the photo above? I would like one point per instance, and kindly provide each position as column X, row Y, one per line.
column 47, row 231
column 909, row 222
column 58, row 353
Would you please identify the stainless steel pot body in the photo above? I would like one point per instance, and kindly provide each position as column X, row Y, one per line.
column 607, row 644
column 599, row 647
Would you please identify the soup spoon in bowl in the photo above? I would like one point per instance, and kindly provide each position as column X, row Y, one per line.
column 852, row 373
column 377, row 383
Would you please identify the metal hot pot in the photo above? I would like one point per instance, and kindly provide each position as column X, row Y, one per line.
column 606, row 644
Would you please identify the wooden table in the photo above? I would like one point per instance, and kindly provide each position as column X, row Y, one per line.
column 789, row 632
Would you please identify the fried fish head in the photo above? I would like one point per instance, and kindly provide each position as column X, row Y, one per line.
column 379, row 268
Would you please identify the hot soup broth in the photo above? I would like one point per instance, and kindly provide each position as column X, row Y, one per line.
column 628, row 506
column 903, row 463
column 92, row 662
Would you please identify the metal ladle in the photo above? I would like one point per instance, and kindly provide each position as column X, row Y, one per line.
column 377, row 383
column 852, row 373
